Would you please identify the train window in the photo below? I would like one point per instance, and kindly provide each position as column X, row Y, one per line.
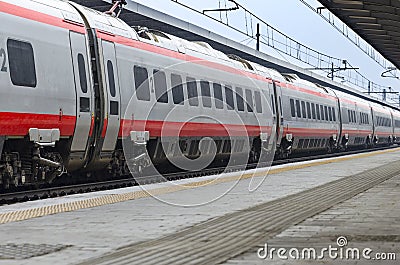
column 303, row 109
column 249, row 100
column 84, row 104
column 308, row 110
column 326, row 113
column 298, row 111
column 142, row 85
column 348, row 112
column 82, row 73
column 280, row 105
column 205, row 93
column 317, row 110
column 257, row 96
column 333, row 113
column 229, row 98
column 160, row 85
column 322, row 112
column 273, row 104
column 114, row 107
column 239, row 99
column 330, row 113
column 219, row 100
column 292, row 109
column 22, row 63
column 192, row 91
column 177, row 89
column 111, row 80
column 313, row 110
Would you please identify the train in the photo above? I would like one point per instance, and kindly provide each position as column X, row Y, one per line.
column 84, row 93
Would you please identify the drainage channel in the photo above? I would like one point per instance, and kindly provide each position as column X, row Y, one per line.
column 225, row 237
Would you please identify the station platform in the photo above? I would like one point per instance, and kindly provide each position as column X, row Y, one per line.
column 234, row 218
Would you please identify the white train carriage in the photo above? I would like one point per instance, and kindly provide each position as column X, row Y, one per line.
column 356, row 119
column 39, row 86
column 178, row 92
column 383, row 129
column 310, row 114
column 396, row 125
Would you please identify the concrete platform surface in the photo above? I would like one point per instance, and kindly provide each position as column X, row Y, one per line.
column 78, row 234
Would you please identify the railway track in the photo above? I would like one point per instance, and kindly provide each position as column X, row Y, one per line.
column 47, row 192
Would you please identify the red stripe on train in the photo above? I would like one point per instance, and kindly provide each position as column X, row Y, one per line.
column 18, row 124
column 190, row 129
column 39, row 17
column 309, row 132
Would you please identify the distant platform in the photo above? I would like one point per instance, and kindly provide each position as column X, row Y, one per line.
column 307, row 204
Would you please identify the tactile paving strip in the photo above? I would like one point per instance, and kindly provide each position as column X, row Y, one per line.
column 115, row 198
column 219, row 239
column 26, row 251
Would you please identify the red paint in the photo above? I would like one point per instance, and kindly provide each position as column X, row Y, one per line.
column 104, row 131
column 91, row 126
column 356, row 132
column 18, row 124
column 309, row 132
column 40, row 17
column 190, row 129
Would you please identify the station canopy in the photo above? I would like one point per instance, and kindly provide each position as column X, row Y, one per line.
column 376, row 21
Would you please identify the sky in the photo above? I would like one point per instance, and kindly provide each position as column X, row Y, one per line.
column 291, row 17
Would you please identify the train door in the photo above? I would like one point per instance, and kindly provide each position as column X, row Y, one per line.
column 84, row 93
column 113, row 102
column 279, row 112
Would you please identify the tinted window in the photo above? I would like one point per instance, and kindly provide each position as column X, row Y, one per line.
column 280, row 105
column 308, row 110
column 84, row 104
column 160, row 86
column 141, row 83
column 82, row 73
column 111, row 80
column 303, row 109
column 219, row 100
column 322, row 112
column 317, row 110
column 257, row 96
column 206, row 93
column 326, row 113
column 239, row 99
column 330, row 113
column 298, row 111
column 192, row 91
column 114, row 109
column 333, row 114
column 249, row 100
column 313, row 110
column 177, row 89
column 22, row 63
column 292, row 109
column 229, row 98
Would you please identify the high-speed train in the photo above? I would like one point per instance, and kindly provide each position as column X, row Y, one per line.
column 82, row 92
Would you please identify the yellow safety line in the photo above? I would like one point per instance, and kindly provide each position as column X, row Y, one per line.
column 115, row 198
